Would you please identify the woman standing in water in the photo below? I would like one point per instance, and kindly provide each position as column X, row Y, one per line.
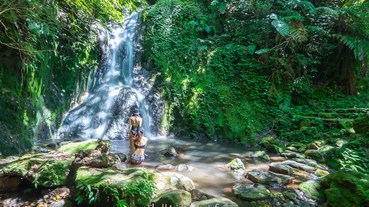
column 134, row 123
column 140, row 142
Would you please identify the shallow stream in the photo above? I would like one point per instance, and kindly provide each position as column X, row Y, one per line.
column 207, row 161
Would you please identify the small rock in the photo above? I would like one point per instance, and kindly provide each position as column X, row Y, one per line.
column 265, row 177
column 312, row 146
column 260, row 155
column 171, row 152
column 199, row 196
column 321, row 173
column 235, row 164
column 291, row 154
column 183, row 167
column 122, row 157
column 298, row 165
column 280, row 168
column 166, row 167
column 58, row 204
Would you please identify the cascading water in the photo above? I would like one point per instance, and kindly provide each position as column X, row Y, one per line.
column 114, row 90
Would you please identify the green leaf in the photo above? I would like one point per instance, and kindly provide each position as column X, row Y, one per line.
column 281, row 27
column 264, row 50
column 251, row 48
column 222, row 7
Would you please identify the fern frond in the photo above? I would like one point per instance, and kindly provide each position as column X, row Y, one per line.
column 360, row 47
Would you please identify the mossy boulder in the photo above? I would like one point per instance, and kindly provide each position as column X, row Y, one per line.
column 251, row 192
column 44, row 170
column 74, row 147
column 221, row 202
column 109, row 186
column 312, row 189
column 260, row 156
column 235, row 164
column 179, row 198
column 297, row 147
column 322, row 154
column 272, row 144
column 346, row 188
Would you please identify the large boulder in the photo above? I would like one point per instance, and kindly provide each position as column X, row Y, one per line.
column 99, row 157
column 44, row 170
column 221, row 202
column 110, row 186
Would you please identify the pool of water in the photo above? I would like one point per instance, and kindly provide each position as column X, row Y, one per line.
column 208, row 160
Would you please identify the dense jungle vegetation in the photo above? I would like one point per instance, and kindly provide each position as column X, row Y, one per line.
column 236, row 68
column 239, row 70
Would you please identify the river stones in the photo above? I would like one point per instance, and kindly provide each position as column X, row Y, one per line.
column 281, row 168
column 291, row 154
column 309, row 162
column 298, row 165
column 266, row 177
column 251, row 192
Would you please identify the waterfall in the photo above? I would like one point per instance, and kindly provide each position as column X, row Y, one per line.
column 116, row 88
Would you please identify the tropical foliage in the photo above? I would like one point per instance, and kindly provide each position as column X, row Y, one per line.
column 239, row 68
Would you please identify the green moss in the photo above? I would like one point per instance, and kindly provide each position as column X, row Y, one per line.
column 272, row 144
column 180, row 198
column 75, row 147
column 44, row 170
column 133, row 187
column 312, row 189
column 54, row 173
column 347, row 124
column 346, row 188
